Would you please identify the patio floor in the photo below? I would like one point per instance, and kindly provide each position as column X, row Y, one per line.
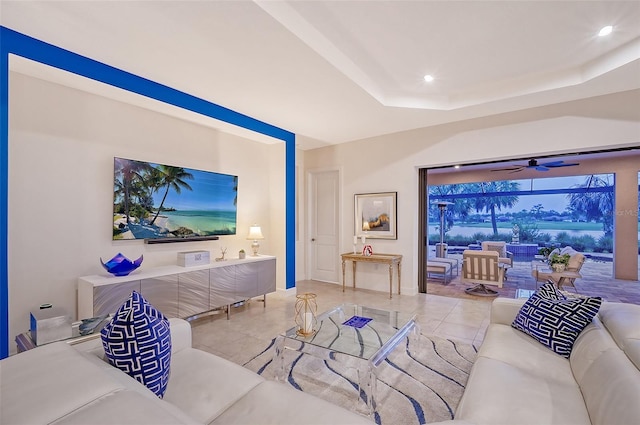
column 596, row 281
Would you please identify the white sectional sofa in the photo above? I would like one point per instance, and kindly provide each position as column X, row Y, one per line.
column 516, row 380
column 61, row 383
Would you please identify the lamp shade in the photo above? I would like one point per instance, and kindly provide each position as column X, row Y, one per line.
column 255, row 232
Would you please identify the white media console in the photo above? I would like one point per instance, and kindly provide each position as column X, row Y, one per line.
column 181, row 291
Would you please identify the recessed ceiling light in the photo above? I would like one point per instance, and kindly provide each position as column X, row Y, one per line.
column 428, row 78
column 605, row 31
column 456, row 166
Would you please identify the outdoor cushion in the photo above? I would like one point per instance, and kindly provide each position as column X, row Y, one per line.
column 575, row 261
column 499, row 248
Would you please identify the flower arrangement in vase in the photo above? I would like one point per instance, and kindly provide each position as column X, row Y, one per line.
column 559, row 262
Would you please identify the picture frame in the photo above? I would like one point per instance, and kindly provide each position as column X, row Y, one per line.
column 376, row 215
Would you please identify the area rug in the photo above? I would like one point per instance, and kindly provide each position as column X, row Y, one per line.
column 414, row 387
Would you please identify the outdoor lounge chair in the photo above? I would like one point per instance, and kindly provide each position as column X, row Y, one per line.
column 570, row 273
column 482, row 268
column 505, row 257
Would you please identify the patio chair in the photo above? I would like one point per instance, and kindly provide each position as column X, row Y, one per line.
column 504, row 257
column 482, row 268
column 570, row 274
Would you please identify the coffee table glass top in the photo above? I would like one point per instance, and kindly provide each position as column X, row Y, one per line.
column 371, row 341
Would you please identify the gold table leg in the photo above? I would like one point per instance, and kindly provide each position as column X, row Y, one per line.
column 343, row 281
column 354, row 274
column 390, row 280
column 399, row 278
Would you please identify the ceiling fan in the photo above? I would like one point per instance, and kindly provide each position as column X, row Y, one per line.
column 533, row 163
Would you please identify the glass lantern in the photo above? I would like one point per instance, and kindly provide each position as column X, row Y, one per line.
column 305, row 314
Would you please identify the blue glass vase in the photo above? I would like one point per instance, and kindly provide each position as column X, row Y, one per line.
column 121, row 265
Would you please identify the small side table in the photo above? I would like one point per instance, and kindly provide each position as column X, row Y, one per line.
column 24, row 341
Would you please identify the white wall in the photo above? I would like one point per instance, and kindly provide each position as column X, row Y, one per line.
column 61, row 148
column 391, row 162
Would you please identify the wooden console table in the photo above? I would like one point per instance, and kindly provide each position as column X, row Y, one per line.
column 389, row 259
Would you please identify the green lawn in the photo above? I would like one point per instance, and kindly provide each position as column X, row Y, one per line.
column 551, row 225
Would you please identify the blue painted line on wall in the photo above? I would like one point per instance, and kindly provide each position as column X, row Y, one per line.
column 13, row 42
column 290, row 210
column 4, row 188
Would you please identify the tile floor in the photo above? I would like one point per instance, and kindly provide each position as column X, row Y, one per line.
column 252, row 326
column 444, row 311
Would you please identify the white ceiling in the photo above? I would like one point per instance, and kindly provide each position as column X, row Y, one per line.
column 337, row 71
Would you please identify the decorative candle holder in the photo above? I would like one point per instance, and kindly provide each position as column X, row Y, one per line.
column 305, row 316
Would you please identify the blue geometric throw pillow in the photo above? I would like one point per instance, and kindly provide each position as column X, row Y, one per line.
column 548, row 290
column 138, row 342
column 556, row 323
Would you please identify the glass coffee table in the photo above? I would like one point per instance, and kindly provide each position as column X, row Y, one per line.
column 363, row 348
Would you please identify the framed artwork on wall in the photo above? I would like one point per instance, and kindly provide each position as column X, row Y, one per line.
column 375, row 215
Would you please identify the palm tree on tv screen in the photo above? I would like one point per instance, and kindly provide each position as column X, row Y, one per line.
column 129, row 175
column 171, row 178
column 235, row 189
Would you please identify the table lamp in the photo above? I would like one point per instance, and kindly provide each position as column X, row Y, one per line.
column 255, row 233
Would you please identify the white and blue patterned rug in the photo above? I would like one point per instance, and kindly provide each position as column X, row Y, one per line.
column 413, row 388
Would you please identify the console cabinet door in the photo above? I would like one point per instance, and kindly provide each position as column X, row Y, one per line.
column 247, row 280
column 162, row 293
column 266, row 276
column 222, row 282
column 193, row 293
column 108, row 298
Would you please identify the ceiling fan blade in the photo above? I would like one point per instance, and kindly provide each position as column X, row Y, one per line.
column 536, row 166
column 508, row 169
column 552, row 164
column 561, row 165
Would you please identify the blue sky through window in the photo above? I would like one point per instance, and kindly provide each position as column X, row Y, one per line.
column 557, row 202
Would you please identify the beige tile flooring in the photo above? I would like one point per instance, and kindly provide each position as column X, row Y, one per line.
column 253, row 326
column 444, row 311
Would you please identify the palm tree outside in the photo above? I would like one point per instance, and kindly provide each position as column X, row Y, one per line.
column 459, row 208
column 597, row 206
column 493, row 200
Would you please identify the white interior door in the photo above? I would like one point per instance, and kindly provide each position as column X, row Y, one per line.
column 324, row 224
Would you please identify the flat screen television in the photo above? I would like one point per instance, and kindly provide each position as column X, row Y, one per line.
column 162, row 202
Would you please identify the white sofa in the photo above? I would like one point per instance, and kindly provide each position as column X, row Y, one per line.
column 516, row 380
column 61, row 383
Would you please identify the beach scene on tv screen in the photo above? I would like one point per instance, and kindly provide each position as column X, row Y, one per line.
column 152, row 201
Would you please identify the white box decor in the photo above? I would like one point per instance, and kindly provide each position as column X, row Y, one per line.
column 193, row 258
